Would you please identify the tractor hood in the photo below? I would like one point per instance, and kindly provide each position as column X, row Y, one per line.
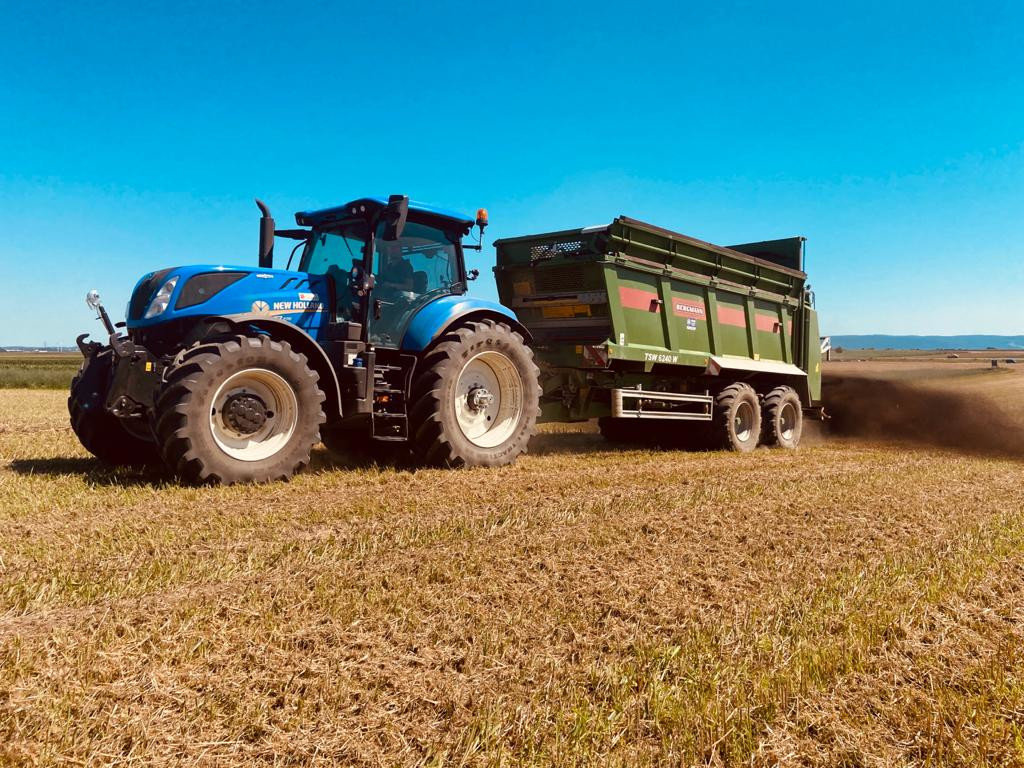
column 210, row 289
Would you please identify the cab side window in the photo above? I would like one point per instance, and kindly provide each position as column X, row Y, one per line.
column 421, row 261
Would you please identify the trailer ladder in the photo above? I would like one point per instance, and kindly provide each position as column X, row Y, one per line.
column 645, row 404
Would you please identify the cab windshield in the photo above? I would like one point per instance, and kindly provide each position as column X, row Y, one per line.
column 335, row 252
column 408, row 272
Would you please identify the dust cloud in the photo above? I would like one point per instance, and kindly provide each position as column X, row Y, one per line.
column 905, row 411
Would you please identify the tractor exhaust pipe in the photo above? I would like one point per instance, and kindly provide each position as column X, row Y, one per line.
column 266, row 237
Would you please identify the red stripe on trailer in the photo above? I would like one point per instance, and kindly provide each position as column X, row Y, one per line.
column 732, row 316
column 637, row 298
column 767, row 323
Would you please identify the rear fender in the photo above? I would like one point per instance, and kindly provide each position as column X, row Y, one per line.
column 435, row 318
column 299, row 340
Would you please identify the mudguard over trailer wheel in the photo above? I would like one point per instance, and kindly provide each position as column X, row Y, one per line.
column 102, row 434
column 736, row 422
column 783, row 417
column 476, row 399
column 245, row 410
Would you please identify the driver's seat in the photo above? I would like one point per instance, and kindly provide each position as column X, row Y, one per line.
column 419, row 282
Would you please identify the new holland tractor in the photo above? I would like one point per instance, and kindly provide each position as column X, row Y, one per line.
column 234, row 373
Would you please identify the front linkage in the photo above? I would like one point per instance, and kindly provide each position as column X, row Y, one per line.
column 224, row 410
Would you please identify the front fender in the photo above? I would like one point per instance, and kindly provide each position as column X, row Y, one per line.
column 299, row 340
column 432, row 320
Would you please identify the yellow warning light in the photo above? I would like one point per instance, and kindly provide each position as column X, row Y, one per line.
column 481, row 217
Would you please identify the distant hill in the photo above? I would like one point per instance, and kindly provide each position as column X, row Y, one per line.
column 882, row 341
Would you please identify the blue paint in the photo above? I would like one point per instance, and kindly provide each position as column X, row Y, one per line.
column 303, row 300
column 427, row 324
column 297, row 297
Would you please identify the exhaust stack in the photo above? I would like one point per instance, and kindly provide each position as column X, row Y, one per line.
column 266, row 255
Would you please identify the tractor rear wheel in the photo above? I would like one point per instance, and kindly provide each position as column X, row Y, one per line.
column 477, row 399
column 102, row 434
column 783, row 417
column 245, row 410
column 736, row 422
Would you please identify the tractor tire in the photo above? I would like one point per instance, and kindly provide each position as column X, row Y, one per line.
column 477, row 398
column 100, row 433
column 246, row 410
column 736, row 420
column 783, row 418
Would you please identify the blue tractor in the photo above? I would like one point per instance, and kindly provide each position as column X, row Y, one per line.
column 233, row 374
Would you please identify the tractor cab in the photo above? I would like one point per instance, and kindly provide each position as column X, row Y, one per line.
column 385, row 259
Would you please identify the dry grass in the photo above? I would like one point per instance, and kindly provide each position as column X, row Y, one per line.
column 854, row 603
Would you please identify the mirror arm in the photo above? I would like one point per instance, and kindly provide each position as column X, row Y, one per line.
column 294, row 234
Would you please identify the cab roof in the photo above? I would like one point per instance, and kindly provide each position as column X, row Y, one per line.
column 366, row 205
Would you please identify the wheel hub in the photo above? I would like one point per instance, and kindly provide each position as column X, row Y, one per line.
column 489, row 397
column 245, row 413
column 479, row 399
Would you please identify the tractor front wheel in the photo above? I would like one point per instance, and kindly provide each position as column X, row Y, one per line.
column 477, row 400
column 245, row 410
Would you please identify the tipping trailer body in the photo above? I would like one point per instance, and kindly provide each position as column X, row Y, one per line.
column 630, row 307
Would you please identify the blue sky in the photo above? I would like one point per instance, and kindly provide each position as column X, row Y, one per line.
column 891, row 135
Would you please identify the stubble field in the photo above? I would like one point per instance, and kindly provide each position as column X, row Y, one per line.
column 857, row 602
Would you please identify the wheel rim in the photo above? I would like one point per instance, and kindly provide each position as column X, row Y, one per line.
column 489, row 399
column 787, row 421
column 744, row 421
column 254, row 414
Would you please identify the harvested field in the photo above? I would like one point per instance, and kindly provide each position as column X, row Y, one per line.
column 858, row 602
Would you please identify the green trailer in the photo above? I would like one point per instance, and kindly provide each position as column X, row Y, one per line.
column 660, row 335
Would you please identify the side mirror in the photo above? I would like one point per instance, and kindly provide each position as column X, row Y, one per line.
column 394, row 216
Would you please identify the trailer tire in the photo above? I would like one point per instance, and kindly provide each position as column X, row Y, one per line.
column 477, row 398
column 783, row 418
column 101, row 433
column 736, row 423
column 244, row 410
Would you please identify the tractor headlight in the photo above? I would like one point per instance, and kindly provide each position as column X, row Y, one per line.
column 162, row 299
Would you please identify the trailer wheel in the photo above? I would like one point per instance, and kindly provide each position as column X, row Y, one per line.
column 783, row 418
column 245, row 410
column 477, row 399
column 100, row 433
column 736, row 424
